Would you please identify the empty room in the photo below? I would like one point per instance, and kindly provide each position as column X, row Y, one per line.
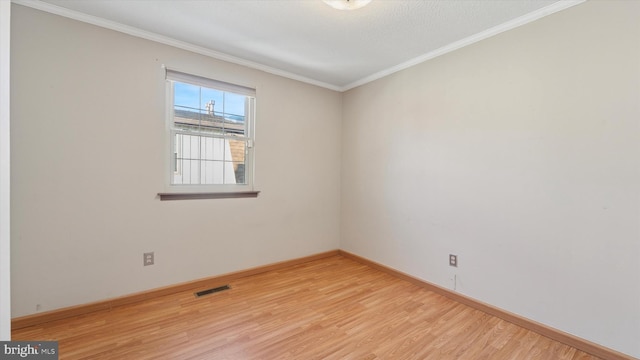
column 339, row 179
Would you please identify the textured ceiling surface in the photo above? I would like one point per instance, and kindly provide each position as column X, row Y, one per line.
column 307, row 38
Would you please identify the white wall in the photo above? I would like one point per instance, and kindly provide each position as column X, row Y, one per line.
column 84, row 205
column 519, row 154
column 5, row 170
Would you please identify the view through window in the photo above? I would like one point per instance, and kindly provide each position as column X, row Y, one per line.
column 211, row 131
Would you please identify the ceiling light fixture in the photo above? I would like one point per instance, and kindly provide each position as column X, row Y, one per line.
column 347, row 4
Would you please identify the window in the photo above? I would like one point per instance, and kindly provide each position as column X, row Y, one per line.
column 210, row 134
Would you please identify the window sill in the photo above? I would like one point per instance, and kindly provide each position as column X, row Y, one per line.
column 208, row 195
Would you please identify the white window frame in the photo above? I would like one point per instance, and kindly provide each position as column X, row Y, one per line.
column 170, row 135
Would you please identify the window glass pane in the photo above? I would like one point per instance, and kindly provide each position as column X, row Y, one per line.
column 236, row 149
column 210, row 126
column 212, row 101
column 207, row 110
column 206, row 150
column 235, row 113
column 234, row 108
column 186, row 96
column 207, row 160
column 207, row 172
column 239, row 172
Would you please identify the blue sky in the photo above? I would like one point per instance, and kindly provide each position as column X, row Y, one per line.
column 197, row 97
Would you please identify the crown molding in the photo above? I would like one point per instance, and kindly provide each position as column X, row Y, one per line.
column 522, row 20
column 133, row 31
column 112, row 25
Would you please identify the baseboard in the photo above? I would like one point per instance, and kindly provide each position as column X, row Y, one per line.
column 544, row 330
column 196, row 285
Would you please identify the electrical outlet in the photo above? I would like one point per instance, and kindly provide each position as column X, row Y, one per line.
column 453, row 260
column 148, row 258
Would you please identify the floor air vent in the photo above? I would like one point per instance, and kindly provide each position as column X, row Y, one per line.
column 211, row 291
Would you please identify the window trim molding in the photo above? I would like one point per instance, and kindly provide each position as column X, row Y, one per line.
column 205, row 191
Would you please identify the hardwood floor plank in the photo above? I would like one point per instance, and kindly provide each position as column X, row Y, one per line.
column 331, row 308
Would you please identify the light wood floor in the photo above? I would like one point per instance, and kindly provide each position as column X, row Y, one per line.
column 332, row 308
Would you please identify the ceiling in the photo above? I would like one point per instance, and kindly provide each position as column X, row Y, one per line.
column 306, row 39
